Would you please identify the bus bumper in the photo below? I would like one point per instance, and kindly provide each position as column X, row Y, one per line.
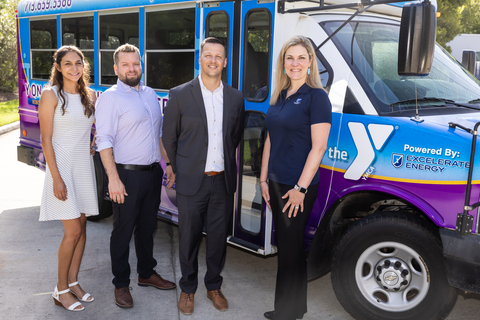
column 462, row 259
column 26, row 155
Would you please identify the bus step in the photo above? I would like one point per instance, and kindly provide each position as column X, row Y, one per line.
column 244, row 244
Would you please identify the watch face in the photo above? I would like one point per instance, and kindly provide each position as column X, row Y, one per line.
column 300, row 189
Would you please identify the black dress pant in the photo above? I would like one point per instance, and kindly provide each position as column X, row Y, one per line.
column 138, row 215
column 291, row 286
column 211, row 207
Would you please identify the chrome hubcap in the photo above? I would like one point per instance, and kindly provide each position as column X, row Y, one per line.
column 392, row 276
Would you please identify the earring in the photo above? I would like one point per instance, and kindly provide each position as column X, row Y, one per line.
column 284, row 71
column 308, row 71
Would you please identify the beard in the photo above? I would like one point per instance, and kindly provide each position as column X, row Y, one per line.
column 132, row 82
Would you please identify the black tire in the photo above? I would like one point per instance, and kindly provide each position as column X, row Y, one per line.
column 365, row 283
column 104, row 205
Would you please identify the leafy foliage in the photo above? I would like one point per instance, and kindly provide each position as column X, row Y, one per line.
column 457, row 17
column 449, row 22
column 470, row 17
column 8, row 46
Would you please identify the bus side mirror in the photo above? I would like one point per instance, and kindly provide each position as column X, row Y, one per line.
column 468, row 60
column 416, row 43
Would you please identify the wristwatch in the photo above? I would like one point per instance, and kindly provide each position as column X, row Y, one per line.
column 301, row 189
column 168, row 164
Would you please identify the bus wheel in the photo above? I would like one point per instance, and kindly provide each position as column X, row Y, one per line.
column 104, row 205
column 390, row 266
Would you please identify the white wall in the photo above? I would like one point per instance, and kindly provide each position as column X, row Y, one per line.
column 464, row 42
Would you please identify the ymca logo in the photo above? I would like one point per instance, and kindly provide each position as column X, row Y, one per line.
column 379, row 134
column 397, row 160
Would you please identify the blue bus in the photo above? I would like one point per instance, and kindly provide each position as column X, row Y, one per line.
column 385, row 222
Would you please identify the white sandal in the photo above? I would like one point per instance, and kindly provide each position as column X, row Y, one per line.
column 56, row 299
column 85, row 296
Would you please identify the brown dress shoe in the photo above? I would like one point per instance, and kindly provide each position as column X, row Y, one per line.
column 219, row 300
column 185, row 304
column 156, row 281
column 123, row 298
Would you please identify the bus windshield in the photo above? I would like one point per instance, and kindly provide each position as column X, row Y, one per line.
column 371, row 50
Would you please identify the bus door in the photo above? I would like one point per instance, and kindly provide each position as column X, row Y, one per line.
column 213, row 19
column 252, row 223
column 218, row 22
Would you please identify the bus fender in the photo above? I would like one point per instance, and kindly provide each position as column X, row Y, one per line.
column 325, row 239
column 399, row 193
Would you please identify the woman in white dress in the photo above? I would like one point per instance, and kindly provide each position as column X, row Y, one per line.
column 66, row 114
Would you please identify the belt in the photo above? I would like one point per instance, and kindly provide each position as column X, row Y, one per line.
column 138, row 167
column 213, row 173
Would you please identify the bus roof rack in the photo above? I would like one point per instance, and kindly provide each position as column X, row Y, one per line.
column 321, row 5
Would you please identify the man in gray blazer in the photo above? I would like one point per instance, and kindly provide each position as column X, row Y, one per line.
column 203, row 125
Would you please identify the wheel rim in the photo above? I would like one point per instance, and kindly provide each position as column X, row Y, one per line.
column 392, row 276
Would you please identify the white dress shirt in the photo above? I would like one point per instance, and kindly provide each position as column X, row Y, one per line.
column 213, row 102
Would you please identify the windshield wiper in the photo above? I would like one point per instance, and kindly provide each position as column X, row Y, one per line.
column 475, row 101
column 423, row 100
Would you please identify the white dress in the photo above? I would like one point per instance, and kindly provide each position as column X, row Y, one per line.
column 71, row 143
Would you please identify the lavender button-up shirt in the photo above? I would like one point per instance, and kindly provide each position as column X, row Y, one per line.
column 130, row 122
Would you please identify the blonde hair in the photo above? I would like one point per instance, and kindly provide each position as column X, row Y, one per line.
column 125, row 48
column 282, row 81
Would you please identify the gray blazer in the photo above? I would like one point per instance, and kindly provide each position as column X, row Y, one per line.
column 185, row 135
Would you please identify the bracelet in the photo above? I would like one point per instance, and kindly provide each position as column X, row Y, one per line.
column 167, row 164
column 264, row 181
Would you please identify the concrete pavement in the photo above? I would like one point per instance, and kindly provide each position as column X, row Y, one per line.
column 28, row 264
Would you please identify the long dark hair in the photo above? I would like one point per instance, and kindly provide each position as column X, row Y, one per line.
column 56, row 78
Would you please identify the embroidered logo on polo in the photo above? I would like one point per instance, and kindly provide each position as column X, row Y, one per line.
column 379, row 134
column 298, row 101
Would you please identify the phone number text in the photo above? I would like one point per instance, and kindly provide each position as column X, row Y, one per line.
column 47, row 5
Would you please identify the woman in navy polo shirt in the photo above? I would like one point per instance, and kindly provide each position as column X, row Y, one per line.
column 298, row 123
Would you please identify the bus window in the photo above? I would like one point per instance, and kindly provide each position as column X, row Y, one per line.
column 43, row 35
column 217, row 26
column 170, row 48
column 324, row 74
column 79, row 32
column 326, row 71
column 256, row 57
column 115, row 30
column 324, row 68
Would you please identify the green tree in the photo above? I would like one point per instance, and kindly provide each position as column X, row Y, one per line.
column 449, row 22
column 470, row 22
column 457, row 16
column 8, row 46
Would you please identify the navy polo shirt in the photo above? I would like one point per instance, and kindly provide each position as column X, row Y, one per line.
column 289, row 125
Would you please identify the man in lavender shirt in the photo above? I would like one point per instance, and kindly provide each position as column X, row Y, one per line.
column 129, row 131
